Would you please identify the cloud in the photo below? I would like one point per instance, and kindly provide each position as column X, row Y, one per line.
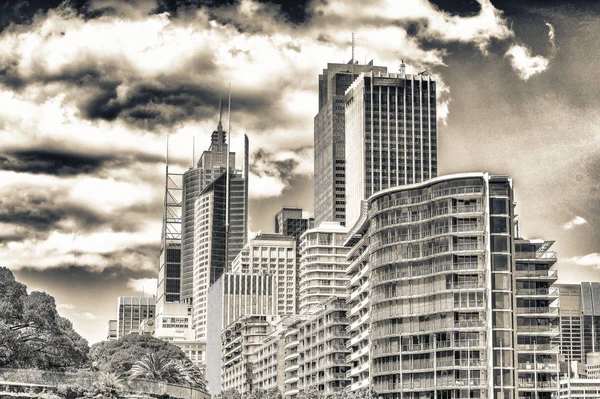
column 87, row 315
column 525, row 63
column 592, row 259
column 67, row 306
column 270, row 173
column 144, row 285
column 576, row 221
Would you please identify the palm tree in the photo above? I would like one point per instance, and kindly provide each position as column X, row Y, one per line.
column 153, row 366
column 190, row 375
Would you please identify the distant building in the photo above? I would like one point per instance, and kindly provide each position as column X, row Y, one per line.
column 272, row 254
column 131, row 311
column 570, row 339
column 240, row 341
column 232, row 296
column 390, row 134
column 290, row 222
column 214, row 247
column 111, row 330
column 590, row 303
column 322, row 270
column 175, row 326
column 329, row 140
column 579, row 388
column 322, row 348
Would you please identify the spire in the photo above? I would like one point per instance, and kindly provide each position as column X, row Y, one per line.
column 220, row 125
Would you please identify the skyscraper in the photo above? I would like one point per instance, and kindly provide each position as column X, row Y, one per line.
column 329, row 139
column 570, row 339
column 212, row 163
column 131, row 311
column 391, row 134
column 215, row 247
column 289, row 222
column 590, row 303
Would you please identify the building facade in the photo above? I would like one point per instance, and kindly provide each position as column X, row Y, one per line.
column 329, row 140
column 215, row 246
column 391, row 134
column 538, row 324
column 239, row 342
column 232, row 296
column 322, row 270
column 289, row 222
column 579, row 388
column 590, row 304
column 440, row 261
column 111, row 330
column 275, row 255
column 322, row 349
column 570, row 340
column 131, row 311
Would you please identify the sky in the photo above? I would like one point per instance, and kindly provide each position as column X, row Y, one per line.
column 89, row 90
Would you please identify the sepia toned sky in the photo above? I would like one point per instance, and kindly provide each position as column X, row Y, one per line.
column 90, row 88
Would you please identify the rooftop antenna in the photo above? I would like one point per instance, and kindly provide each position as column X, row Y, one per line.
column 352, row 48
column 402, row 69
column 220, row 125
column 227, row 181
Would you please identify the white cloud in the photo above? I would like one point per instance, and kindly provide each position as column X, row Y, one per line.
column 143, row 285
column 66, row 306
column 576, row 221
column 524, row 62
column 264, row 186
column 88, row 316
column 592, row 259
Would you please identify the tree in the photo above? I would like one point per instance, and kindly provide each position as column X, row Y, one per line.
column 154, row 367
column 32, row 333
column 311, row 393
column 229, row 394
column 120, row 355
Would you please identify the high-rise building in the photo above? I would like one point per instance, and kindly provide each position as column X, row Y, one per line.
column 215, row 247
column 438, row 282
column 322, row 271
column 590, row 304
column 290, row 222
column 232, row 296
column 240, row 341
column 212, row 164
column 322, row 349
column 329, row 139
column 570, row 339
column 391, row 134
column 131, row 311
column 276, row 255
column 537, row 318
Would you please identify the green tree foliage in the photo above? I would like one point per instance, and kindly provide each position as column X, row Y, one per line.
column 160, row 368
column 120, row 355
column 311, row 393
column 229, row 394
column 263, row 394
column 32, row 333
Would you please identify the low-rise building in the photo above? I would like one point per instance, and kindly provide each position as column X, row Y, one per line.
column 131, row 311
column 175, row 325
column 579, row 388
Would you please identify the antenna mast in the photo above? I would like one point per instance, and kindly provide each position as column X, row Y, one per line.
column 227, row 181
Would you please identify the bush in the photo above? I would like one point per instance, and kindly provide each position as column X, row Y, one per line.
column 71, row 391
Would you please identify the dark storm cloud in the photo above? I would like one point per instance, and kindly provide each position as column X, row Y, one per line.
column 42, row 210
column 50, row 162
column 264, row 163
column 60, row 162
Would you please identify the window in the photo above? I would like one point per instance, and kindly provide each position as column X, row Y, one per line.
column 498, row 206
column 499, row 244
column 499, row 225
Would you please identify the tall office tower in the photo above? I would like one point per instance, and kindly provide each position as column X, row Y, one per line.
column 570, row 340
column 322, row 270
column 131, row 311
column 276, row 255
column 537, row 318
column 322, row 348
column 215, row 248
column 240, row 341
column 232, row 296
column 329, row 140
column 590, row 303
column 212, row 163
column 439, row 289
column 169, row 265
column 391, row 134
column 289, row 222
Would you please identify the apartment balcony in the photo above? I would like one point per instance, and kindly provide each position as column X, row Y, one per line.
column 546, row 255
column 357, row 354
column 537, row 311
column 355, row 293
column 362, row 304
column 417, row 199
column 361, row 320
column 540, row 348
column 537, row 274
column 357, row 370
column 542, row 292
column 356, row 339
column 542, row 329
column 540, row 384
column 362, row 270
column 538, row 366
column 424, row 327
column 409, row 273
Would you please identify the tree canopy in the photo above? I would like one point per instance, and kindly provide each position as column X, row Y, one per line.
column 120, row 355
column 32, row 333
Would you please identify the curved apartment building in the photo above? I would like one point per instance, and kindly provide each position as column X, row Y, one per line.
column 437, row 281
column 323, row 265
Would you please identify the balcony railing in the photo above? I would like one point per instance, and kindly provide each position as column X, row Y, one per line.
column 467, row 190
